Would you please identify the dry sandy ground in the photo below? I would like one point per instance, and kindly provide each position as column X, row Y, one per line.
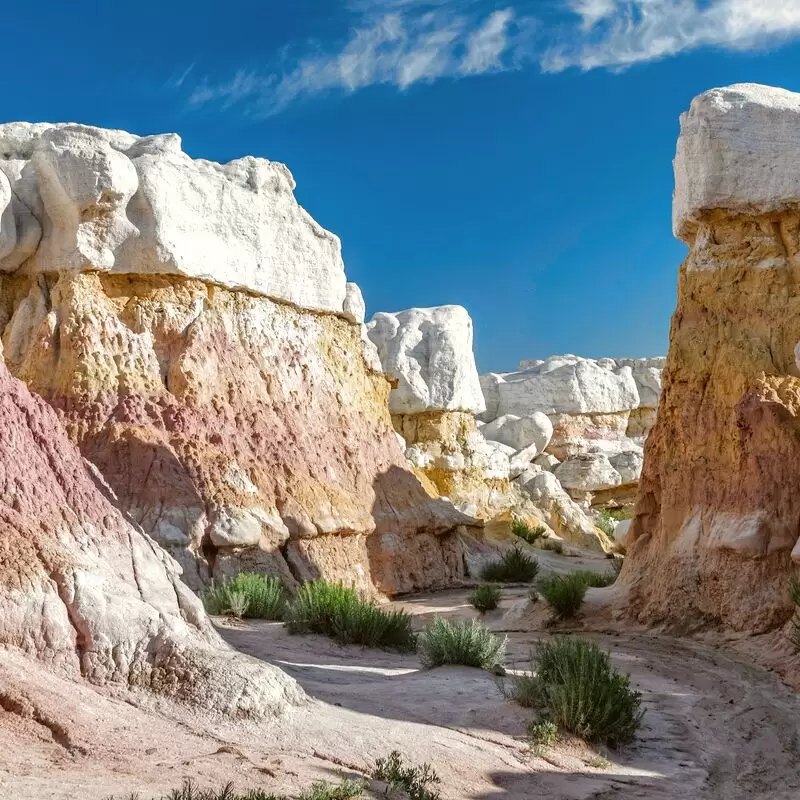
column 716, row 725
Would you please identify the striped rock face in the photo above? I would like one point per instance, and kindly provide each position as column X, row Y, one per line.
column 716, row 525
column 239, row 432
column 84, row 591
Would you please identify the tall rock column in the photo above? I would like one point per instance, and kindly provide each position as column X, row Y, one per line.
column 718, row 514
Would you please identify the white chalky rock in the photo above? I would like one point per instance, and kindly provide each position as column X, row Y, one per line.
column 628, row 465
column 354, row 306
column 87, row 198
column 546, row 461
column 621, row 531
column 587, row 472
column 428, row 351
column 737, row 152
column 521, row 432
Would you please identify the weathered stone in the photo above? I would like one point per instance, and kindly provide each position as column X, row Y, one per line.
column 521, row 432
column 428, row 351
column 587, row 472
column 621, row 531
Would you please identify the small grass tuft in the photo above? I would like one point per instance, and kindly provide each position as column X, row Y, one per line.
column 416, row 782
column 249, row 594
column 542, row 735
column 524, row 531
column 467, row 643
column 563, row 593
column 485, row 597
column 553, row 546
column 581, row 692
column 339, row 612
column 596, row 580
column 608, row 518
column 514, row 567
column 329, row 791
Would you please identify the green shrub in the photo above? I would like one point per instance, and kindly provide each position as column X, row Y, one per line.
column 251, row 595
column 596, row 580
column 318, row 791
column 542, row 735
column 485, row 597
column 467, row 643
column 553, row 545
column 337, row 611
column 522, row 688
column 524, row 531
column 563, row 593
column 416, row 782
column 608, row 518
column 581, row 692
column 794, row 593
column 514, row 567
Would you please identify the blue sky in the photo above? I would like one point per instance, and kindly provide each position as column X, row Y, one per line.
column 513, row 157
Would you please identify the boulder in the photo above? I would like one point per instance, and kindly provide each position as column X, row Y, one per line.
column 521, row 432
column 588, row 472
column 621, row 530
column 628, row 465
column 428, row 351
column 547, row 462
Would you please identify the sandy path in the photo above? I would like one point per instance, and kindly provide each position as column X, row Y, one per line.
column 716, row 726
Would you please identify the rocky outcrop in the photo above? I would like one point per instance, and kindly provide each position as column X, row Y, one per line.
column 599, row 413
column 86, row 592
column 716, row 524
column 194, row 329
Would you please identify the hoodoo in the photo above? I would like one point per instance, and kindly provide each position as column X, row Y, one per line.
column 715, row 533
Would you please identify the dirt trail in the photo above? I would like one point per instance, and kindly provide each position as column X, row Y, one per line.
column 716, row 725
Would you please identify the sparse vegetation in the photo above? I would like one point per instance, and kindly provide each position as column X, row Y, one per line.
column 608, row 518
column 467, row 643
column 514, row 567
column 524, row 531
column 416, row 782
column 553, row 545
column 575, row 686
column 794, row 593
column 542, row 735
column 249, row 594
column 616, row 565
column 563, row 593
column 339, row 612
column 597, row 762
column 319, row 791
column 485, row 597
column 596, row 580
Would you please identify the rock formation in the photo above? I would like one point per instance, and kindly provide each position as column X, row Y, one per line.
column 716, row 524
column 428, row 353
column 83, row 590
column 599, row 413
column 195, row 331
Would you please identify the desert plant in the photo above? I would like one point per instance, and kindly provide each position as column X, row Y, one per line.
column 339, row 612
column 467, row 643
column 416, row 782
column 581, row 692
column 318, row 791
column 608, row 518
column 513, row 567
column 541, row 735
column 248, row 594
column 524, row 531
column 596, row 580
column 553, row 545
column 485, row 597
column 563, row 593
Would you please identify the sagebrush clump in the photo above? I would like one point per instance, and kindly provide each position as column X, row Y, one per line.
column 485, row 597
column 416, row 782
column 596, row 580
column 514, row 566
column 527, row 532
column 574, row 685
column 339, row 612
column 251, row 595
column 563, row 593
column 467, row 643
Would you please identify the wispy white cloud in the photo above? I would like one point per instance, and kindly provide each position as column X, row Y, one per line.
column 395, row 42
column 619, row 33
column 406, row 42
